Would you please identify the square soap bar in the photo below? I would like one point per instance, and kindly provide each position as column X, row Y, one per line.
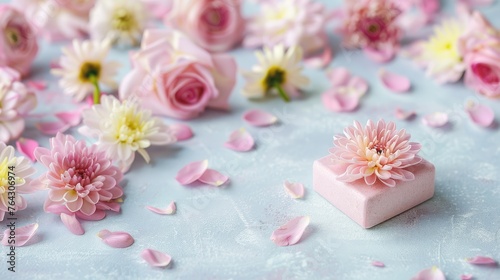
column 371, row 205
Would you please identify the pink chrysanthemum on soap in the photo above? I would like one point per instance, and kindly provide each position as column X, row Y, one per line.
column 376, row 151
column 82, row 180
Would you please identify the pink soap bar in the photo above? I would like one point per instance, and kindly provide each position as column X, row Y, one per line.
column 371, row 205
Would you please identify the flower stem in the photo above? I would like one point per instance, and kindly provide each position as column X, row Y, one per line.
column 282, row 92
column 97, row 91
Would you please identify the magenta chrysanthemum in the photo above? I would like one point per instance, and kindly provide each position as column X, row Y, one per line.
column 82, row 181
column 375, row 151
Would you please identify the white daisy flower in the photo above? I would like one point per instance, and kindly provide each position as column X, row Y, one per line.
column 124, row 128
column 278, row 71
column 119, row 21
column 83, row 68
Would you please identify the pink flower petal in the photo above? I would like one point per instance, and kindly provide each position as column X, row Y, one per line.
column 291, row 232
column 167, row 211
column 27, row 147
column 156, row 258
column 432, row 273
column 378, row 264
column 258, row 117
column 480, row 114
column 240, row 140
column 54, row 64
column 295, row 190
column 213, row 177
column 466, row 277
column 437, row 119
column 181, row 131
column 339, row 76
column 338, row 102
column 394, row 82
column 320, row 60
column 191, row 172
column 21, row 237
column 37, row 84
column 380, row 56
column 116, row 239
column 52, row 128
column 72, row 224
column 481, row 260
column 404, row 115
column 72, row 118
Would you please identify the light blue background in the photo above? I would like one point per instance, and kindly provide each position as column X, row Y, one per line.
column 221, row 233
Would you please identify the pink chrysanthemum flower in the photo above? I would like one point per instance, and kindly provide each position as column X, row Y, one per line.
column 82, row 181
column 375, row 151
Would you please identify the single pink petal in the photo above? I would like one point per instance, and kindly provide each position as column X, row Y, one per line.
column 466, row 277
column 72, row 118
column 191, row 172
column 240, row 140
column 404, row 115
column 437, row 119
column 258, row 117
column 338, row 102
column 480, row 114
column 27, row 147
column 72, row 223
column 380, row 56
column 181, row 131
column 481, row 260
column 432, row 273
column 320, row 60
column 213, row 177
column 37, row 84
column 21, row 235
column 295, row 190
column 116, row 239
column 167, row 211
column 156, row 258
column 394, row 82
column 291, row 232
column 378, row 264
column 339, row 76
column 54, row 64
column 52, row 128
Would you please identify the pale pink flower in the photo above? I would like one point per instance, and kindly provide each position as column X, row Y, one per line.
column 158, row 8
column 82, row 180
column 377, row 151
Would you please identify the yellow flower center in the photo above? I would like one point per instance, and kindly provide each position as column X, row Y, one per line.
column 4, row 175
column 443, row 44
column 129, row 125
column 90, row 70
column 275, row 76
column 123, row 20
column 13, row 36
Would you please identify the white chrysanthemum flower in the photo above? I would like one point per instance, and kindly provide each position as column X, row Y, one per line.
column 119, row 21
column 83, row 66
column 278, row 71
column 124, row 128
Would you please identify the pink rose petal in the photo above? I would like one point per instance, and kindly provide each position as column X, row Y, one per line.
column 338, row 102
column 213, row 177
column 37, row 84
column 171, row 208
column 72, row 118
column 378, row 264
column 380, row 56
column 21, row 237
column 295, row 190
column 481, row 260
column 258, row 117
column 27, row 147
column 480, row 114
column 339, row 76
column 191, row 172
column 291, row 232
column 156, row 258
column 321, row 60
column 466, row 277
column 240, row 140
column 394, row 82
column 72, row 224
column 437, row 119
column 52, row 128
column 116, row 239
column 404, row 115
column 432, row 273
column 181, row 131
column 54, row 64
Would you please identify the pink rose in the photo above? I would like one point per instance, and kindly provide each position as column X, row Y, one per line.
column 174, row 77
column 216, row 25
column 18, row 45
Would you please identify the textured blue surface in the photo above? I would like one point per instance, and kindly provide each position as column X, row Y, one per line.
column 221, row 233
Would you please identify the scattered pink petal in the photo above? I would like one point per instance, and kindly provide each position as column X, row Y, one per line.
column 182, row 131
column 432, row 273
column 258, row 117
column 116, row 239
column 437, row 119
column 339, row 76
column 481, row 260
column 480, row 114
column 338, row 102
column 21, row 237
column 156, row 258
column 171, row 208
column 191, row 172
column 54, row 64
column 394, row 82
column 37, row 84
column 291, row 232
column 52, row 128
column 473, row 3
column 72, row 118
column 466, row 277
column 320, row 60
column 213, row 177
column 378, row 264
column 27, row 147
column 380, row 56
column 295, row 190
column 72, row 224
column 240, row 140
column 404, row 115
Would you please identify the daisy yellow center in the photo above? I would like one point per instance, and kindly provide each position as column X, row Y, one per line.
column 89, row 71
column 275, row 76
column 123, row 20
column 443, row 45
column 130, row 127
column 4, row 175
column 13, row 36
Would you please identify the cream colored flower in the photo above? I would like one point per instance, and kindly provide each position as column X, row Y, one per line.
column 83, row 66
